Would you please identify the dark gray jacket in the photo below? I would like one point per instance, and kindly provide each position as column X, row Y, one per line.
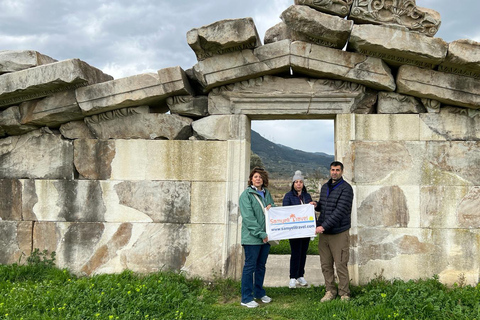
column 335, row 206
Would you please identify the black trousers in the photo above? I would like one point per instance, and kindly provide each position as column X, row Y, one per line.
column 298, row 257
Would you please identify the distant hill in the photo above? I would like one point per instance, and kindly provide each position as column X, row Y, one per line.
column 282, row 161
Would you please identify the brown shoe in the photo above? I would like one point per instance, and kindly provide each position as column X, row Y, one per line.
column 345, row 298
column 329, row 296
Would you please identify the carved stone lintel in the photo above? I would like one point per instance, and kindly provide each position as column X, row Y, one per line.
column 339, row 8
column 400, row 12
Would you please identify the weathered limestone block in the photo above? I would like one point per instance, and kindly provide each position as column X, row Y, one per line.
column 207, row 195
column 93, row 158
column 320, row 28
column 418, row 253
column 397, row 46
column 137, row 123
column 143, row 89
column 238, row 66
column 107, row 201
column 391, row 102
column 451, row 163
column 161, row 201
column 278, row 32
column 452, row 206
column 396, row 162
column 16, row 60
column 323, row 62
column 463, row 58
column 52, row 111
column 451, row 123
column 340, row 8
column 386, row 127
column 37, row 154
column 47, row 79
column 10, row 122
column 405, row 13
column 96, row 248
column 450, row 89
column 16, row 241
column 76, row 130
column 151, row 159
column 188, row 106
column 385, row 207
column 10, row 200
column 223, row 37
column 221, row 127
column 268, row 96
column 201, row 249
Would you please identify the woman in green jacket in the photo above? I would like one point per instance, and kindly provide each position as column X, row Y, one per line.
column 253, row 201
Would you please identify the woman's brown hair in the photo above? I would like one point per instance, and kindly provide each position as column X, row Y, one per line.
column 263, row 173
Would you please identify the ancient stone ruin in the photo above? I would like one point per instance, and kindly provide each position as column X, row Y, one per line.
column 144, row 172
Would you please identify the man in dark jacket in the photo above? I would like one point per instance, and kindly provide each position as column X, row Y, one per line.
column 333, row 225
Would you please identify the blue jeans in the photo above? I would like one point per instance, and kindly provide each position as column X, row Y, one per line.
column 255, row 261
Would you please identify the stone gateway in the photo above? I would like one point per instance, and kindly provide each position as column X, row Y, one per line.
column 144, row 172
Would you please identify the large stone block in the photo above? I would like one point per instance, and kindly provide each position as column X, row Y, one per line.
column 405, row 14
column 241, row 65
column 269, row 96
column 76, row 130
column 452, row 206
column 208, row 202
column 397, row 46
column 396, row 162
column 37, row 154
column 387, row 127
column 10, row 200
column 323, row 62
column 319, row 28
column 463, row 58
column 451, row 123
column 16, row 60
column 16, row 241
column 93, row 158
column 340, row 8
column 138, row 123
column 151, row 159
column 221, row 127
column 188, row 106
column 393, row 103
column 451, row 163
column 47, row 79
column 96, row 248
column 52, row 111
column 223, row 36
column 107, row 201
column 450, row 89
column 10, row 122
column 143, row 89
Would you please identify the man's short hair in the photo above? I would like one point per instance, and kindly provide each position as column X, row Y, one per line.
column 336, row 164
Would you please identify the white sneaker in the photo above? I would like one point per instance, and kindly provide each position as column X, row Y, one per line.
column 251, row 304
column 292, row 284
column 302, row 281
column 266, row 299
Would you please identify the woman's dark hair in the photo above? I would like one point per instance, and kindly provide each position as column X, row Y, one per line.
column 304, row 190
column 263, row 174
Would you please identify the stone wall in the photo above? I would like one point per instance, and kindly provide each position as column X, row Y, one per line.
column 144, row 172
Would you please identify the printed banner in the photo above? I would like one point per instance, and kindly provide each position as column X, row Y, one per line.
column 291, row 222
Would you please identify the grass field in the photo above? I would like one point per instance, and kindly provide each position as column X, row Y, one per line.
column 41, row 291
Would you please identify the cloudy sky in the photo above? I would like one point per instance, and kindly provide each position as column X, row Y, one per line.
column 125, row 38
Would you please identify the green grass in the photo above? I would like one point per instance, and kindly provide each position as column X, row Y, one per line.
column 40, row 291
column 284, row 247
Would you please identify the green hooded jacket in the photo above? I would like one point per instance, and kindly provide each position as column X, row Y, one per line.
column 253, row 218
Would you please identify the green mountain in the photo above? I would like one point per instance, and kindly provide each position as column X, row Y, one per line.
column 282, row 161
